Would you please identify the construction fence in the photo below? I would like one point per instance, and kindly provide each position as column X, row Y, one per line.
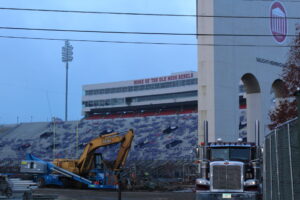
column 282, row 162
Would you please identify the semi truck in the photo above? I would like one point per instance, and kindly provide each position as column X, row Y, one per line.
column 90, row 169
column 229, row 170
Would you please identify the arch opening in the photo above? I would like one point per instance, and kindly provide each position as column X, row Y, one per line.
column 250, row 83
column 278, row 88
column 278, row 93
column 252, row 94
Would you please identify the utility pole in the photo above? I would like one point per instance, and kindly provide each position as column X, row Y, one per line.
column 54, row 133
column 76, row 156
column 67, row 56
column 297, row 94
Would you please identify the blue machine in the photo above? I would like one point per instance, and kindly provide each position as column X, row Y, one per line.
column 47, row 173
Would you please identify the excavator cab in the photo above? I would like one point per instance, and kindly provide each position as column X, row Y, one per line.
column 102, row 173
column 98, row 161
column 96, row 174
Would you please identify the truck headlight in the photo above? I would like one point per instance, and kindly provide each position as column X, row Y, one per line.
column 250, row 182
column 202, row 181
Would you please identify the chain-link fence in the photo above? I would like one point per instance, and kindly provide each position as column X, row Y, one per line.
column 282, row 163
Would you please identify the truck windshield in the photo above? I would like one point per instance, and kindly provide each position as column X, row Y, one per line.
column 235, row 154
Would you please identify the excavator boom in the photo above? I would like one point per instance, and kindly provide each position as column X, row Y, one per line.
column 123, row 151
column 85, row 162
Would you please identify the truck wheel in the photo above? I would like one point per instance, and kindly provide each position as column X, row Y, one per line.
column 41, row 182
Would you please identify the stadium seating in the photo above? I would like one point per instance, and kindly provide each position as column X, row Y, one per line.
column 157, row 137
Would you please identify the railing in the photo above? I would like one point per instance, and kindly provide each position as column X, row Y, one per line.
column 282, row 162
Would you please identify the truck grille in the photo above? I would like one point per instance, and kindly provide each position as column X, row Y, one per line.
column 227, row 177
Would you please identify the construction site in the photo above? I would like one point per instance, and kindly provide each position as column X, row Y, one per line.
column 95, row 152
column 211, row 116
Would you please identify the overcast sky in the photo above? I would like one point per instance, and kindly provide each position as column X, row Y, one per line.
column 32, row 78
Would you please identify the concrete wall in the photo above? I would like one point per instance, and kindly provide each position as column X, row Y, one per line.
column 222, row 66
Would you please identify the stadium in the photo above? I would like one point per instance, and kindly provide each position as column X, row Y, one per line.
column 163, row 114
column 162, row 111
column 169, row 94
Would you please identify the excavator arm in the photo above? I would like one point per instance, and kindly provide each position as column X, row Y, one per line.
column 123, row 151
column 86, row 159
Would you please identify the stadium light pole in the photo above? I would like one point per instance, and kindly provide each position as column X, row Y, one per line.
column 67, row 56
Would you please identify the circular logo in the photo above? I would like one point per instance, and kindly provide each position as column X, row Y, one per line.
column 278, row 22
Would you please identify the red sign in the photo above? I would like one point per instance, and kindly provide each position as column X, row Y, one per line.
column 163, row 79
column 278, row 22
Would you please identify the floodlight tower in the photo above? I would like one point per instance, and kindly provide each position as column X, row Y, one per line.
column 67, row 56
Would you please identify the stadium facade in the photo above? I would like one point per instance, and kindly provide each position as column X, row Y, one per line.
column 176, row 91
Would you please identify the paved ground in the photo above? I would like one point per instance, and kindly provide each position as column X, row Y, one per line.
column 69, row 194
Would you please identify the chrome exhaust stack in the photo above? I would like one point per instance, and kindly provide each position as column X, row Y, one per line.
column 204, row 159
column 256, row 162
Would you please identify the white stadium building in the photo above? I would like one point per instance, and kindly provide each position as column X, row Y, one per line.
column 177, row 91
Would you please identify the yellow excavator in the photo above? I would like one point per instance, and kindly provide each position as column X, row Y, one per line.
column 90, row 169
column 92, row 165
column 87, row 159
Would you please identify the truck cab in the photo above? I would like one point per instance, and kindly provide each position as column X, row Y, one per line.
column 228, row 170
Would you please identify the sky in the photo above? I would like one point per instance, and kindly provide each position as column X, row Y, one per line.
column 32, row 78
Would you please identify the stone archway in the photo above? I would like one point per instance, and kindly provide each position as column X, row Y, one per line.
column 253, row 96
column 278, row 88
column 277, row 93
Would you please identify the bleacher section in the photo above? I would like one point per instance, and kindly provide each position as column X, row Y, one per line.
column 170, row 137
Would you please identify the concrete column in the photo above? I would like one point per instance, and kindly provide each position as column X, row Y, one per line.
column 253, row 114
column 206, row 74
